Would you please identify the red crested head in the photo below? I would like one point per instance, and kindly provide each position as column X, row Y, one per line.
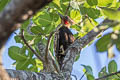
column 66, row 20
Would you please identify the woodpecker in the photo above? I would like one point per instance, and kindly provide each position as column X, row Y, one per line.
column 63, row 38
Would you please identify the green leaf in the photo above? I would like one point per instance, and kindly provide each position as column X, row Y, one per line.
column 29, row 37
column 44, row 41
column 33, row 68
column 83, row 10
column 77, row 57
column 30, row 53
column 32, row 61
column 37, row 30
column 37, row 49
column 74, row 4
column 90, row 77
column 104, row 3
column 44, row 19
column 35, row 17
column 25, row 24
column 87, row 26
column 116, row 28
column 49, row 29
column 112, row 67
column 116, row 79
column 37, row 39
column 102, row 72
column 104, row 46
column 39, row 64
column 76, row 27
column 14, row 53
column 57, row 2
column 92, row 2
column 118, row 46
column 115, row 4
column 93, row 13
column 111, row 13
column 62, row 1
column 75, row 15
column 52, row 46
column 63, row 6
column 117, row 41
column 54, row 16
column 88, row 69
column 76, row 35
column 23, row 50
column 54, row 6
column 3, row 3
column 22, row 65
column 18, row 39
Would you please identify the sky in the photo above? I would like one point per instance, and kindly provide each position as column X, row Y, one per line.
column 88, row 56
column 7, row 61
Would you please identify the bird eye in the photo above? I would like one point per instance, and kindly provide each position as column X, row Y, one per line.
column 66, row 17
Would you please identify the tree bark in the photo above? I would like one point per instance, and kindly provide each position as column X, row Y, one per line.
column 24, row 75
column 15, row 13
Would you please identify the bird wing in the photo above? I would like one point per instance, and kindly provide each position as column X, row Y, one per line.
column 56, row 42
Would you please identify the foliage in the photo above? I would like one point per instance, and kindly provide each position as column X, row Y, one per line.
column 84, row 13
column 3, row 3
column 112, row 67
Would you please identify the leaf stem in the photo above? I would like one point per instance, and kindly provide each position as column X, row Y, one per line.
column 34, row 52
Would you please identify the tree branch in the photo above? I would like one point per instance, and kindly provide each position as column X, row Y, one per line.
column 83, row 75
column 15, row 13
column 47, row 50
column 49, row 62
column 48, row 46
column 24, row 75
column 81, row 43
column 106, row 76
column 34, row 52
column 74, row 76
column 67, row 9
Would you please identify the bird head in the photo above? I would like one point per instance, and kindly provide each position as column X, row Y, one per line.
column 66, row 20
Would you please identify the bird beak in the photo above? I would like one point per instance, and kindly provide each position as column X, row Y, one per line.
column 61, row 16
column 71, row 21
